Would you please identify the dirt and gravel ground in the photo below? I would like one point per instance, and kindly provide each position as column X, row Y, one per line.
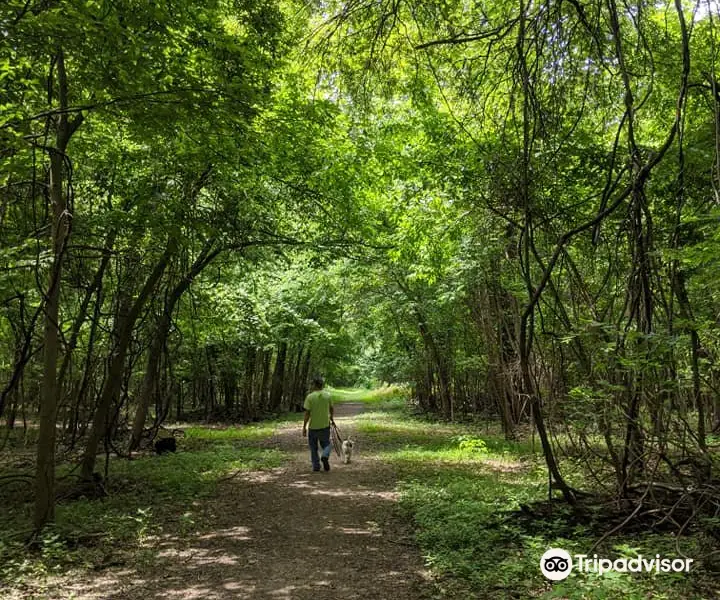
column 287, row 533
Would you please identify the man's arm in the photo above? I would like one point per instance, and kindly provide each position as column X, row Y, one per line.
column 305, row 422
column 332, row 412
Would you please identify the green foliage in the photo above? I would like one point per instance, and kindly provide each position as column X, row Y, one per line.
column 386, row 396
column 235, row 436
column 466, row 534
column 469, row 443
column 480, row 204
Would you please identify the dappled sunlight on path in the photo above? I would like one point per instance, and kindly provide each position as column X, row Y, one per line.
column 286, row 533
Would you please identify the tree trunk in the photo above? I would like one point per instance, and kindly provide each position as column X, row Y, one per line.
column 259, row 400
column 45, row 470
column 295, row 380
column 248, row 384
column 440, row 365
column 537, row 414
column 113, row 380
column 304, row 378
column 179, row 401
column 266, row 379
column 148, row 387
column 276, row 391
column 695, row 348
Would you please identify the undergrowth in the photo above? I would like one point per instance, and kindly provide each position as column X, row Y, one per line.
column 377, row 396
column 463, row 491
column 146, row 498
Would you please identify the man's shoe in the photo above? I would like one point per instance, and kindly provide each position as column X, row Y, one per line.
column 326, row 463
column 317, row 470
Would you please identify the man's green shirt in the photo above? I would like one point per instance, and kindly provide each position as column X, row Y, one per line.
column 318, row 403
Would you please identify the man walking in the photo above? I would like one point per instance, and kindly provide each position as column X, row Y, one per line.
column 319, row 413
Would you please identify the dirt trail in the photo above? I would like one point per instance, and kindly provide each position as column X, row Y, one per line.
column 287, row 533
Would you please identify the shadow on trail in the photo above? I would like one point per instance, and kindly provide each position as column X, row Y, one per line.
column 286, row 533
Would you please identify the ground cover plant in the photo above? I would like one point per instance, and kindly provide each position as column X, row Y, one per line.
column 470, row 495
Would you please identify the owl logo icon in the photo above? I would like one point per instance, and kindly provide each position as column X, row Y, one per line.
column 556, row 564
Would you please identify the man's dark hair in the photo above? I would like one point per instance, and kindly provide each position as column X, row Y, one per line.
column 318, row 381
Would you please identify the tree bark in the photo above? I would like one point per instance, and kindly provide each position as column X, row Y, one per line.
column 248, row 406
column 148, row 387
column 295, row 380
column 45, row 469
column 304, row 377
column 278, row 378
column 113, row 380
column 266, row 379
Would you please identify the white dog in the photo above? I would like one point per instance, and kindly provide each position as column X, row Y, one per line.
column 347, row 447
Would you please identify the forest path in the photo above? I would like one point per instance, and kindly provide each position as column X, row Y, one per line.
column 287, row 533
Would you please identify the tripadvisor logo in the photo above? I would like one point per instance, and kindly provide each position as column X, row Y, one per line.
column 556, row 564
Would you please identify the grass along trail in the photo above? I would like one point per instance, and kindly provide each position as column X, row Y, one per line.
column 268, row 533
column 425, row 510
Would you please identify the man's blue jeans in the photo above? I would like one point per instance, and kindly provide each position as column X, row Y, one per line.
column 323, row 437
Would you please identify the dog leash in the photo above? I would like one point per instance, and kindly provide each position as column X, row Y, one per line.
column 336, row 438
column 337, row 430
